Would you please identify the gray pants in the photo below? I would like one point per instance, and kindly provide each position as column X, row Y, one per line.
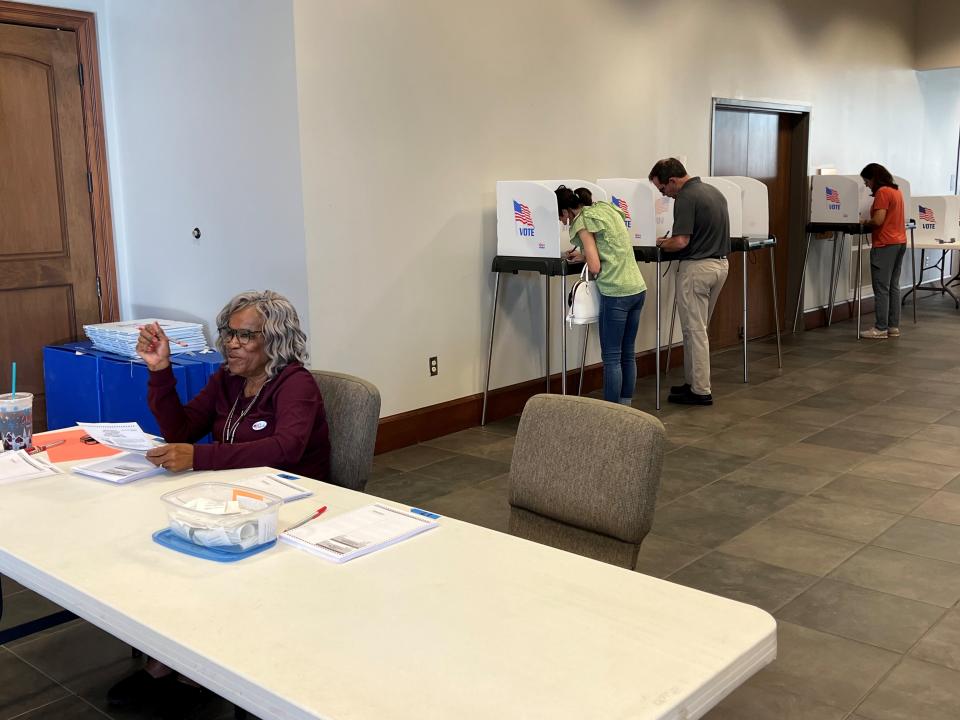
column 885, row 264
column 699, row 283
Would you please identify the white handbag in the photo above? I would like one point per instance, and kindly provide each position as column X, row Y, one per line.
column 583, row 301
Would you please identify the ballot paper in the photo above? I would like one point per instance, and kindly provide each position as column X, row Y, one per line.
column 119, row 469
column 17, row 465
column 125, row 436
column 121, row 337
column 279, row 484
column 357, row 532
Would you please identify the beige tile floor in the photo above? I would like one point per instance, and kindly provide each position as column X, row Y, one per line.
column 827, row 493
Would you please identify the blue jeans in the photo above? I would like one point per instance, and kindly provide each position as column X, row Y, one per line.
column 619, row 320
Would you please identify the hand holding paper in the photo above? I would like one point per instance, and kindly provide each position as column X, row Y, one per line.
column 174, row 457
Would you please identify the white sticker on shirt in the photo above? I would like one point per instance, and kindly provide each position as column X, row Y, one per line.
column 259, row 424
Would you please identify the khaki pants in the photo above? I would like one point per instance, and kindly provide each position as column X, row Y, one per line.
column 699, row 283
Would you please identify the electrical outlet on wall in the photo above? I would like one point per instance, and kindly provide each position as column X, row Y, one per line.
column 433, row 366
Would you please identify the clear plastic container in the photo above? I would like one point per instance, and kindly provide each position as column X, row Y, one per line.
column 227, row 517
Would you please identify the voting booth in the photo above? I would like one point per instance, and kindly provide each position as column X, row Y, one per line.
column 528, row 222
column 637, row 200
column 749, row 213
column 846, row 199
column 836, row 199
column 938, row 218
column 531, row 238
column 839, row 205
column 734, row 197
column 908, row 213
column 755, row 206
column 937, row 233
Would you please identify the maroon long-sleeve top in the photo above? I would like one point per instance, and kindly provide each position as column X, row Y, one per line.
column 285, row 428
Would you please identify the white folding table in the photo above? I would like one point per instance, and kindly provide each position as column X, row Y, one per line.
column 459, row 622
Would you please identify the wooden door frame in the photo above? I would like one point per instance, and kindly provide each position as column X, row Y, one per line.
column 83, row 24
column 799, row 185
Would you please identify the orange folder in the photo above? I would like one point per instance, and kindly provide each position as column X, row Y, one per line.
column 73, row 448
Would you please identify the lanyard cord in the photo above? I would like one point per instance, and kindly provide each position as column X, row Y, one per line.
column 229, row 432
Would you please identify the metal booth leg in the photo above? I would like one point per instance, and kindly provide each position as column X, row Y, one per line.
column 913, row 275
column 859, row 289
column 803, row 278
column 776, row 310
column 546, row 305
column 563, row 330
column 745, row 334
column 493, row 325
column 673, row 320
column 657, row 359
column 835, row 278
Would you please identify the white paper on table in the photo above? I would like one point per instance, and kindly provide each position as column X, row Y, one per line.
column 16, row 465
column 357, row 532
column 123, row 436
column 120, row 469
column 279, row 484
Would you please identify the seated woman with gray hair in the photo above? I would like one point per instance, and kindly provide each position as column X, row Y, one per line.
column 263, row 406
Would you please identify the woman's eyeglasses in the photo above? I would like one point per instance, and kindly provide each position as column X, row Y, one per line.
column 227, row 334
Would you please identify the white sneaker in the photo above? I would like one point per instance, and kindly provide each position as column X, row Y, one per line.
column 893, row 332
column 874, row 334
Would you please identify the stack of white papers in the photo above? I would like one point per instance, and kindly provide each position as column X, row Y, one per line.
column 123, row 436
column 121, row 337
column 279, row 484
column 357, row 532
column 119, row 469
column 16, row 465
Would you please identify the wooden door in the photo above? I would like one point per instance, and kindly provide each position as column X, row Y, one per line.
column 48, row 280
column 758, row 145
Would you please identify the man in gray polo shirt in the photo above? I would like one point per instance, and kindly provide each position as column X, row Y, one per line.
column 700, row 240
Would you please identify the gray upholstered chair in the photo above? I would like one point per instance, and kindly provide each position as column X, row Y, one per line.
column 585, row 475
column 353, row 411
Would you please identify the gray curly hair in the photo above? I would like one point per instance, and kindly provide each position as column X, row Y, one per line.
column 283, row 340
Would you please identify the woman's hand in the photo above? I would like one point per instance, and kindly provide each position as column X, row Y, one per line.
column 154, row 347
column 174, row 457
column 574, row 256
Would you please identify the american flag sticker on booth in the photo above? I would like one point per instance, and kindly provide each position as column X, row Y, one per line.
column 927, row 214
column 521, row 214
column 523, row 220
column 833, row 196
column 622, row 204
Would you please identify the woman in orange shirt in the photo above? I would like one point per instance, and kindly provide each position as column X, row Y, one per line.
column 888, row 240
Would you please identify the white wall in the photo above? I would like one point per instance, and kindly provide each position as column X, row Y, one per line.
column 941, row 130
column 206, row 118
column 200, row 105
column 409, row 113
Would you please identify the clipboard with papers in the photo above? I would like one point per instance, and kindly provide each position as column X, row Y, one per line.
column 357, row 532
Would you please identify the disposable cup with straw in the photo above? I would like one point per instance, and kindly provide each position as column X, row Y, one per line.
column 16, row 416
